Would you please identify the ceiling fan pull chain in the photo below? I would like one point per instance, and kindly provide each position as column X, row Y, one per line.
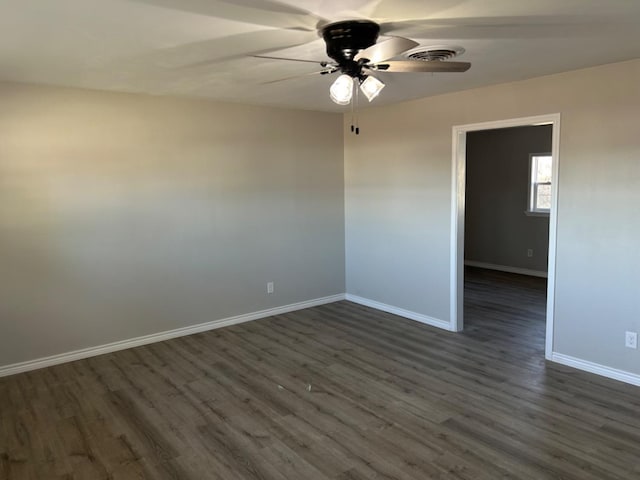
column 356, row 107
column 353, row 127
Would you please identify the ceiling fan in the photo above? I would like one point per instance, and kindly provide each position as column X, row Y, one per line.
column 352, row 46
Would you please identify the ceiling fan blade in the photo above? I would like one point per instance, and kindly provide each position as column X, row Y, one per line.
column 223, row 49
column 422, row 66
column 268, row 57
column 556, row 26
column 303, row 75
column 270, row 13
column 387, row 49
column 412, row 8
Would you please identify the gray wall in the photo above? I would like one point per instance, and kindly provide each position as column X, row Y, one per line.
column 497, row 231
column 398, row 202
column 125, row 215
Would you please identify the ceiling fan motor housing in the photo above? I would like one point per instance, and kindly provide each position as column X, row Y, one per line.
column 345, row 39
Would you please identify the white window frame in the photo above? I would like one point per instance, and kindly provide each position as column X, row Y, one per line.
column 532, row 208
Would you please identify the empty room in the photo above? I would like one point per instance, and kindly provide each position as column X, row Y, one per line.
column 265, row 239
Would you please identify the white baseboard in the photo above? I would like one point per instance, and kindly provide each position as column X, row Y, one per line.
column 418, row 317
column 159, row 337
column 505, row 268
column 620, row 375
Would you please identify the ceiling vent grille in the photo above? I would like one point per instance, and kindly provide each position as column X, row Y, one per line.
column 434, row 53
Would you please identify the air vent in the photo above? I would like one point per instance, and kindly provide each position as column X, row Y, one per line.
column 434, row 53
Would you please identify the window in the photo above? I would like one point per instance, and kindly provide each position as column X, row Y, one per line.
column 540, row 172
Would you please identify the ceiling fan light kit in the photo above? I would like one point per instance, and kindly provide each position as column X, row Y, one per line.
column 371, row 87
column 341, row 91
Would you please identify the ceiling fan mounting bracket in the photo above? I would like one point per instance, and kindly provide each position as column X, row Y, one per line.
column 345, row 39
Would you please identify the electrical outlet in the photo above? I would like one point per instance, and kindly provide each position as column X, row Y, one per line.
column 631, row 340
column 529, row 252
column 270, row 287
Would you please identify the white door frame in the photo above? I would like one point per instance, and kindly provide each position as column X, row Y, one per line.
column 458, row 211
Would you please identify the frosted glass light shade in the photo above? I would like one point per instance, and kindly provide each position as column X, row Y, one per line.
column 371, row 87
column 342, row 90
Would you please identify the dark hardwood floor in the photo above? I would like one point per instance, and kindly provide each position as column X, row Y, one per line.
column 337, row 392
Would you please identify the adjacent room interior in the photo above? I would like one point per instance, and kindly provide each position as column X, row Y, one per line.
column 230, row 233
column 508, row 197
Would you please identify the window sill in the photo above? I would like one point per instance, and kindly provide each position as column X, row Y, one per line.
column 529, row 213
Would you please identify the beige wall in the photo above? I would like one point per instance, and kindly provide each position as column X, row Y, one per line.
column 398, row 202
column 126, row 215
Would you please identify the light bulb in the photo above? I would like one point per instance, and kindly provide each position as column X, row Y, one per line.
column 342, row 90
column 371, row 87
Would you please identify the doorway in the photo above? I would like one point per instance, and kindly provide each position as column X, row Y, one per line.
column 459, row 210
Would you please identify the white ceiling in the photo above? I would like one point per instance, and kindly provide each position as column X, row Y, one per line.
column 201, row 48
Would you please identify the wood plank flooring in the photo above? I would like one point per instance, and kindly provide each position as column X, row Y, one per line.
column 338, row 392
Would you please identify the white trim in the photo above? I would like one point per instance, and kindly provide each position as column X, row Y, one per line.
column 458, row 193
column 160, row 337
column 553, row 235
column 506, row 268
column 459, row 133
column 418, row 317
column 620, row 375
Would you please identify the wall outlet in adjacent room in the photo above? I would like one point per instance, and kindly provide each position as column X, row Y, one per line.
column 269, row 287
column 631, row 340
column 529, row 252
